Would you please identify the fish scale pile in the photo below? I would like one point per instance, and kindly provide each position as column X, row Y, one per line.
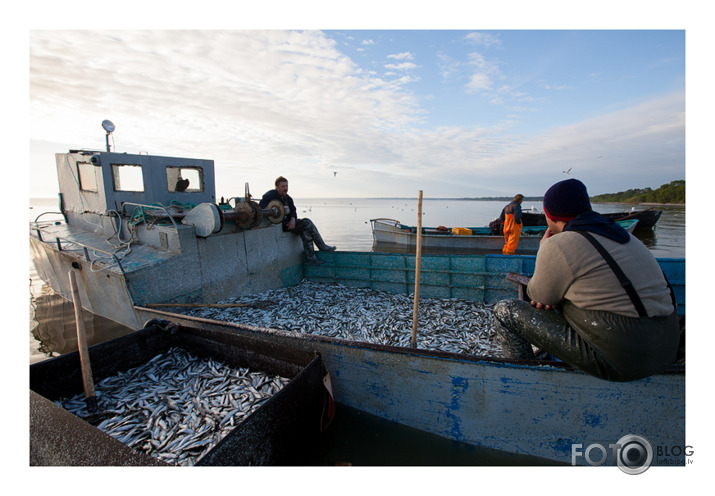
column 177, row 407
column 367, row 315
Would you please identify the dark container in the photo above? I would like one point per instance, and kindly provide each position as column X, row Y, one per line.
column 283, row 431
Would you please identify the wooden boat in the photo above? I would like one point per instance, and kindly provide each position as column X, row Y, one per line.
column 537, row 408
column 473, row 240
column 646, row 218
column 282, row 431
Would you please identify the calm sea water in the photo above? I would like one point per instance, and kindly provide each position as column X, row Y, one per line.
column 355, row 437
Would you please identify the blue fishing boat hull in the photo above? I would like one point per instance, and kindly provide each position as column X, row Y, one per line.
column 543, row 409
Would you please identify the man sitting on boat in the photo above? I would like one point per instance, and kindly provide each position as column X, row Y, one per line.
column 304, row 227
column 599, row 300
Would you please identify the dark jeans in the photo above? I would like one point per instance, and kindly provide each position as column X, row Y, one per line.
column 607, row 345
column 308, row 232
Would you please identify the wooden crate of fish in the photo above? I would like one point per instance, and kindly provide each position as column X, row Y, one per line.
column 179, row 395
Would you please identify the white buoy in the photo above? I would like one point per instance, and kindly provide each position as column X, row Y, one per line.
column 205, row 218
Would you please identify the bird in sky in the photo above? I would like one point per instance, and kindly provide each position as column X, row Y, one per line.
column 567, row 171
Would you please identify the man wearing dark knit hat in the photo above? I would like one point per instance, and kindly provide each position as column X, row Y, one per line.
column 599, row 300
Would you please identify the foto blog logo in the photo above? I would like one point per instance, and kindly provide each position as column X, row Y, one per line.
column 632, row 454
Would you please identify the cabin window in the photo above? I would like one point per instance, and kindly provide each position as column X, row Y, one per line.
column 184, row 179
column 128, row 177
column 87, row 176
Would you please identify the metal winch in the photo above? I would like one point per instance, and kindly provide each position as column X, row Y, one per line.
column 247, row 213
column 209, row 218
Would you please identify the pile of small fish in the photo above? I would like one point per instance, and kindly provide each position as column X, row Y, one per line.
column 176, row 406
column 367, row 315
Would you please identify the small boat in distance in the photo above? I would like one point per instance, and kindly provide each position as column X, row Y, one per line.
column 646, row 218
column 471, row 239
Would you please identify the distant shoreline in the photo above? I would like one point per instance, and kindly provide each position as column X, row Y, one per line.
column 495, row 199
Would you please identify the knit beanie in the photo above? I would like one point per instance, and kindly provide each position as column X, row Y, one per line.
column 565, row 200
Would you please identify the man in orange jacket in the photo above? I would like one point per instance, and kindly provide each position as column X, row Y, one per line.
column 511, row 216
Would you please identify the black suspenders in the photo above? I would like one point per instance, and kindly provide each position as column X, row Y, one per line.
column 622, row 278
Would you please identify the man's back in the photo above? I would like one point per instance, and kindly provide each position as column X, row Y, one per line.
column 568, row 266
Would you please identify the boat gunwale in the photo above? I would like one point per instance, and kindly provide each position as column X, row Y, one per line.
column 673, row 369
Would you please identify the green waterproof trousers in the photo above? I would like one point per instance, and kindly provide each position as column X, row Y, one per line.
column 607, row 345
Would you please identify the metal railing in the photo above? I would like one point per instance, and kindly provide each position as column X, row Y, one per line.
column 58, row 240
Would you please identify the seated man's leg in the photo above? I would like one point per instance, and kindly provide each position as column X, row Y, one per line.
column 305, row 229
column 519, row 325
column 508, row 325
column 309, row 232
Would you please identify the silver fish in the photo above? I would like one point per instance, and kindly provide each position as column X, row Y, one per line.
column 367, row 315
column 158, row 412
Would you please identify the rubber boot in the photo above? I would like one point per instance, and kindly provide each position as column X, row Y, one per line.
column 310, row 253
column 319, row 240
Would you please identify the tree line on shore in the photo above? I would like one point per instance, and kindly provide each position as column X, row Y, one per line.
column 673, row 192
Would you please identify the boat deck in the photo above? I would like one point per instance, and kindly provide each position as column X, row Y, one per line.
column 99, row 248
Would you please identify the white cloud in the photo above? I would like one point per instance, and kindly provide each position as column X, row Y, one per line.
column 267, row 103
column 448, row 66
column 484, row 39
column 401, row 56
column 604, row 150
column 265, row 87
column 251, row 100
column 484, row 73
column 479, row 82
column 404, row 66
column 558, row 87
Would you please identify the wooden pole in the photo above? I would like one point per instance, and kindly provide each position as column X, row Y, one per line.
column 85, row 364
column 206, row 305
column 418, row 266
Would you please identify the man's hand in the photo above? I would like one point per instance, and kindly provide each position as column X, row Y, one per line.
column 541, row 306
column 291, row 223
column 546, row 235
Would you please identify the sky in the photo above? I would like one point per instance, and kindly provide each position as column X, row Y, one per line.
column 370, row 113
